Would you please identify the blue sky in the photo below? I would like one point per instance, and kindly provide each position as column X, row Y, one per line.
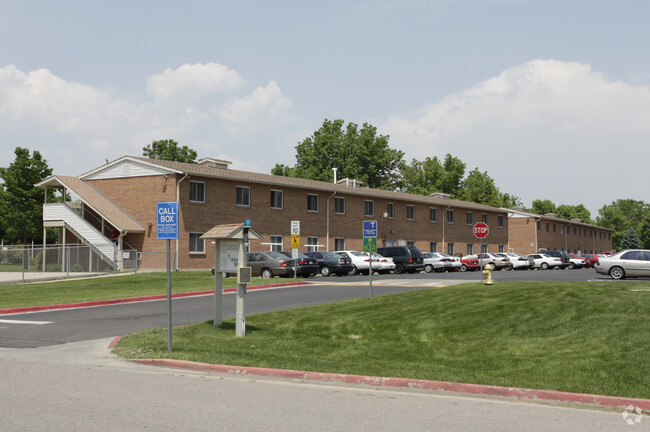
column 550, row 98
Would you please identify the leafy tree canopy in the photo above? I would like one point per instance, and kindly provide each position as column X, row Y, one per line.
column 630, row 239
column 479, row 187
column 356, row 153
column 169, row 150
column 21, row 203
column 432, row 175
column 621, row 215
column 543, row 206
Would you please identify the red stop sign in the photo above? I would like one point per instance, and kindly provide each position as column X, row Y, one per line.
column 481, row 230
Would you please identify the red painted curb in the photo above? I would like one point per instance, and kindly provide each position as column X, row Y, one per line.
column 443, row 386
column 136, row 299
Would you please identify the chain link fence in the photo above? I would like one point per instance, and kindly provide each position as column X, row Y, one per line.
column 68, row 258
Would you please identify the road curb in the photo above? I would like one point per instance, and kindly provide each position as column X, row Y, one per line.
column 521, row 394
column 136, row 299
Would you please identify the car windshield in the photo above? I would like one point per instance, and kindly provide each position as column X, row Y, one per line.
column 330, row 255
column 359, row 254
column 277, row 255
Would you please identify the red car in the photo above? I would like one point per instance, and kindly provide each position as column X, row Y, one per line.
column 591, row 260
column 469, row 262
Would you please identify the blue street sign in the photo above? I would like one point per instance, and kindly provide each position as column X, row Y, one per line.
column 370, row 228
column 167, row 217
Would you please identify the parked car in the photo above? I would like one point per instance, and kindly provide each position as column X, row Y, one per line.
column 407, row 258
column 566, row 259
column 591, row 260
column 627, row 263
column 517, row 261
column 439, row 262
column 270, row 264
column 387, row 264
column 329, row 262
column 543, row 261
column 307, row 266
column 360, row 261
column 498, row 262
column 469, row 263
column 576, row 262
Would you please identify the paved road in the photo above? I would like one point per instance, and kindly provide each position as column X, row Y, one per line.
column 80, row 386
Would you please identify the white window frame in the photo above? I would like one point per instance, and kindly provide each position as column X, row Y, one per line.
column 368, row 209
column 246, row 202
column 410, row 208
column 196, row 199
column 390, row 210
column 433, row 214
column 276, row 193
column 312, row 244
column 470, row 218
column 450, row 216
column 338, row 200
column 276, row 242
column 197, row 244
column 312, row 199
column 339, row 243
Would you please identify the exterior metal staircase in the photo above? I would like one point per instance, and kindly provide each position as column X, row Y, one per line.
column 82, row 229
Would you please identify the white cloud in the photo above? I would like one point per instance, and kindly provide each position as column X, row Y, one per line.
column 265, row 108
column 193, row 81
column 541, row 130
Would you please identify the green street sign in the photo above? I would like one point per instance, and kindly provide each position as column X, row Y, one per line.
column 370, row 244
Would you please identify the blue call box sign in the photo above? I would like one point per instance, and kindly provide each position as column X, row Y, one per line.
column 370, row 228
column 167, row 217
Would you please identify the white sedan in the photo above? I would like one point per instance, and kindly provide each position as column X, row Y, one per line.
column 360, row 261
column 627, row 263
column 386, row 264
column 543, row 261
column 439, row 262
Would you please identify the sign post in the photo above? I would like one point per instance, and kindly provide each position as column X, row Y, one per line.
column 167, row 229
column 295, row 244
column 481, row 230
column 370, row 246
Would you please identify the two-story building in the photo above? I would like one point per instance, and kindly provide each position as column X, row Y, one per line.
column 119, row 201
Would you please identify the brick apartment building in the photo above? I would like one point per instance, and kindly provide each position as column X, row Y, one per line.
column 120, row 198
column 529, row 233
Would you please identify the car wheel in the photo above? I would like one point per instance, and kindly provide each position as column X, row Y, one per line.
column 544, row 266
column 267, row 273
column 509, row 267
column 355, row 270
column 399, row 269
column 428, row 268
column 572, row 266
column 325, row 271
column 463, row 268
column 617, row 273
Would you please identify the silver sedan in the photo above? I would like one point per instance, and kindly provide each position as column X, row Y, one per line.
column 633, row 262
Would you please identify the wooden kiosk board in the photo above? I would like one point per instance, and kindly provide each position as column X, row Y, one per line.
column 228, row 240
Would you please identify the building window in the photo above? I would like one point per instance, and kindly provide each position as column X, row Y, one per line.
column 410, row 243
column 433, row 214
column 312, row 202
column 410, row 212
column 390, row 210
column 484, row 248
column 548, row 227
column 470, row 218
column 433, row 246
column 450, row 216
column 554, row 229
column 450, row 248
column 484, row 217
column 339, row 244
column 276, row 199
column 197, row 192
column 501, row 248
column 276, row 243
column 470, row 248
column 499, row 221
column 243, row 196
column 197, row 244
column 539, row 227
column 339, row 206
column 312, row 244
column 561, row 228
column 369, row 209
column 574, row 230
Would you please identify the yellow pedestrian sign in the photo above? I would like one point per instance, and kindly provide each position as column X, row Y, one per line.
column 295, row 241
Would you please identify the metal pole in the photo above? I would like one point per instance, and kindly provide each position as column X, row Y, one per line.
column 370, row 274
column 169, row 298
column 218, row 286
column 240, row 309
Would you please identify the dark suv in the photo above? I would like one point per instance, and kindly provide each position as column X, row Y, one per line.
column 566, row 259
column 407, row 258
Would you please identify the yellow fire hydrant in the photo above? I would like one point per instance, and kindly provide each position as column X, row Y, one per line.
column 487, row 272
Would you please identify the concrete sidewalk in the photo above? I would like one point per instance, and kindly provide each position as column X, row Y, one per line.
column 12, row 278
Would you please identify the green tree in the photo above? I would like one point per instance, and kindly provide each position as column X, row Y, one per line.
column 479, row 187
column 543, row 206
column 169, row 150
column 621, row 215
column 432, row 175
column 644, row 233
column 356, row 153
column 574, row 212
column 630, row 239
column 21, row 203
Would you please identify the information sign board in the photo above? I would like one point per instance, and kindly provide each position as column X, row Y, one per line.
column 167, row 217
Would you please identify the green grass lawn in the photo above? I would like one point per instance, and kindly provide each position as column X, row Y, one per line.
column 576, row 337
column 112, row 287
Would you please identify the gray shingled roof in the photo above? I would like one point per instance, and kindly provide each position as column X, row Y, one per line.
column 229, row 174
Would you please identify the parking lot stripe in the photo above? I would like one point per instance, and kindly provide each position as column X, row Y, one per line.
column 5, row 321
